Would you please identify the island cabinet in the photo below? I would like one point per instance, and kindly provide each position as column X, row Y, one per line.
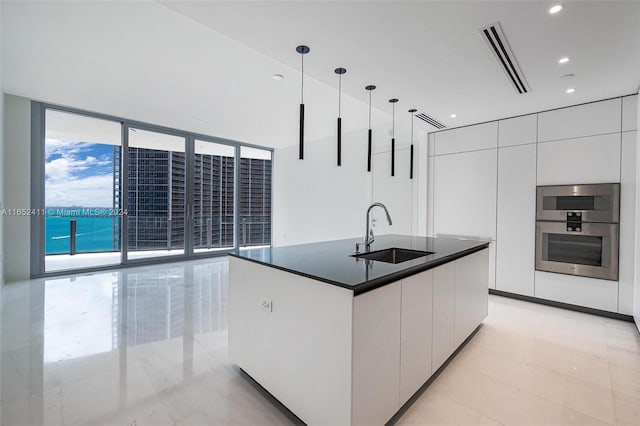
column 336, row 356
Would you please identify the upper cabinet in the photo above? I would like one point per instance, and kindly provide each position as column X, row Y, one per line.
column 630, row 113
column 594, row 159
column 470, row 138
column 518, row 130
column 464, row 198
column 596, row 118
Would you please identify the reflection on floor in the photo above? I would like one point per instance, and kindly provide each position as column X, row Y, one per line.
column 148, row 345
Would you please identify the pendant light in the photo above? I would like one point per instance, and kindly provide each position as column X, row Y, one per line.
column 302, row 50
column 369, row 88
column 411, row 111
column 393, row 136
column 340, row 71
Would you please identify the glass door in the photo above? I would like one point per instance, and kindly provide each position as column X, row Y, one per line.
column 156, row 194
column 81, row 191
column 254, row 183
column 212, row 209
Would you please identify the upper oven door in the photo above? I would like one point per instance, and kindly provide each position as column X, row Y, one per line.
column 590, row 203
column 588, row 251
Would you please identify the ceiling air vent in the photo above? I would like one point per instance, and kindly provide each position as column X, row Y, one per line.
column 430, row 120
column 499, row 46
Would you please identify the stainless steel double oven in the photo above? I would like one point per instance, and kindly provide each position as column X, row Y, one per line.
column 577, row 229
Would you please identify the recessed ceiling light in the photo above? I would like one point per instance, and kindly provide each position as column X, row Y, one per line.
column 555, row 9
column 453, row 116
column 571, row 90
column 563, row 60
column 278, row 77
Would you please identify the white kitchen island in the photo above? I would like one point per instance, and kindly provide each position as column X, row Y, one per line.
column 342, row 341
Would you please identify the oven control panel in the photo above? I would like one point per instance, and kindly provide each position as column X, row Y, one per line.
column 574, row 221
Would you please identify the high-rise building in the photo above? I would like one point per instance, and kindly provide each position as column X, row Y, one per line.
column 156, row 200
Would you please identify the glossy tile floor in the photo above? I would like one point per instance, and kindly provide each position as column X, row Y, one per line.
column 147, row 346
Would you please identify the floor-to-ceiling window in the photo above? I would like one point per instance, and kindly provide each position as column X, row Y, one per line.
column 117, row 191
column 81, row 164
column 255, row 197
column 213, row 189
column 156, row 194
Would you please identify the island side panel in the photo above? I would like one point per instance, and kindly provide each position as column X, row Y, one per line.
column 376, row 355
column 471, row 300
column 300, row 351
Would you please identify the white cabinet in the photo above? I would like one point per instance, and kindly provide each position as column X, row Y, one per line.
column 594, row 159
column 416, row 332
column 595, row 118
column 470, row 138
column 518, row 130
column 376, row 355
column 471, row 275
column 630, row 113
column 581, row 291
column 464, row 198
column 627, row 223
column 515, row 257
column 444, row 281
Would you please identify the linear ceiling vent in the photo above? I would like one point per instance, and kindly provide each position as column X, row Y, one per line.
column 430, row 120
column 499, row 46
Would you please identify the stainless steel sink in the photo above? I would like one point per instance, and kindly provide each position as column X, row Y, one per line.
column 393, row 255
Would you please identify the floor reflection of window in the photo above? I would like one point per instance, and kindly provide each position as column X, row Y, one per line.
column 79, row 316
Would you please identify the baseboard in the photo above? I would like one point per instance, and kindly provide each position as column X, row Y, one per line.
column 568, row 306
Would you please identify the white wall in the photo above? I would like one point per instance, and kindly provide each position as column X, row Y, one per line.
column 636, row 288
column 2, row 180
column 316, row 200
column 17, row 177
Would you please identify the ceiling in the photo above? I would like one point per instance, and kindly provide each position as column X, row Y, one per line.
column 430, row 55
column 206, row 67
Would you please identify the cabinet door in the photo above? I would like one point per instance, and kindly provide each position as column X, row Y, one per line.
column 470, row 138
column 376, row 355
column 594, row 159
column 518, row 130
column 515, row 255
column 596, row 118
column 444, row 281
column 629, row 113
column 464, row 197
column 627, row 249
column 471, row 295
column 416, row 331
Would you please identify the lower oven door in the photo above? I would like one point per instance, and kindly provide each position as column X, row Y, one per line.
column 590, row 252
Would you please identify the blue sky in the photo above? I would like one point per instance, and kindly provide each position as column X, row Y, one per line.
column 78, row 174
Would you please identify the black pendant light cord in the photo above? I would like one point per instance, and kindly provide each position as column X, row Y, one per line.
column 369, row 108
column 339, row 95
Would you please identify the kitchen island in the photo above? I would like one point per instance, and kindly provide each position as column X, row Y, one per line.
column 343, row 340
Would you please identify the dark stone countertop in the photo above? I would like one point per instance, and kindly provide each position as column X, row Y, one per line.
column 331, row 261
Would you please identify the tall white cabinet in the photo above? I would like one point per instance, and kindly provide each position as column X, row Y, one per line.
column 516, row 205
column 482, row 183
column 465, row 181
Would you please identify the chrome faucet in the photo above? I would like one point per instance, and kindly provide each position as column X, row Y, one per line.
column 368, row 233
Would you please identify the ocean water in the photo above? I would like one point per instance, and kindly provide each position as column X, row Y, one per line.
column 92, row 234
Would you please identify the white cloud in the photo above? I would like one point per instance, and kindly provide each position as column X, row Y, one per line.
column 92, row 191
column 64, row 186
